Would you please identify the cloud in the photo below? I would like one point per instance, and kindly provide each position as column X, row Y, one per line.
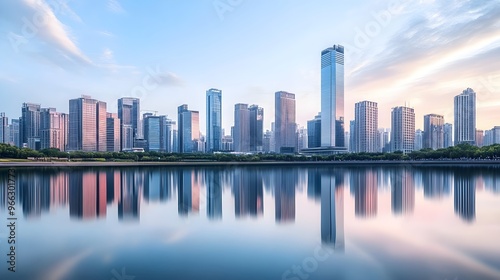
column 36, row 29
column 168, row 79
column 115, row 7
column 106, row 33
column 107, row 55
column 442, row 49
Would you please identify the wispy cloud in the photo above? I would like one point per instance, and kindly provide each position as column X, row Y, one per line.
column 115, row 7
column 445, row 48
column 35, row 25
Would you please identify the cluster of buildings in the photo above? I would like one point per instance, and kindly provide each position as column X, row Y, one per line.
column 90, row 127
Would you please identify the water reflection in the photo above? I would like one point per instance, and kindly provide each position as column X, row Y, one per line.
column 332, row 209
column 89, row 193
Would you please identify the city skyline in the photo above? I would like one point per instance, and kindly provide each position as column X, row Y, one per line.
column 100, row 60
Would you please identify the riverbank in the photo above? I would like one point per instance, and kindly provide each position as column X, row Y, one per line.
column 258, row 163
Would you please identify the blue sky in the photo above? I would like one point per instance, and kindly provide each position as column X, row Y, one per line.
column 168, row 53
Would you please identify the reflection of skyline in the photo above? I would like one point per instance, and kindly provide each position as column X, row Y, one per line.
column 364, row 183
column 437, row 184
column 189, row 192
column 465, row 196
column 87, row 193
column 332, row 210
column 402, row 192
column 248, row 193
column 214, row 194
column 285, row 181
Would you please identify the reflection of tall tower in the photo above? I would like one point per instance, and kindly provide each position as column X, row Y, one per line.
column 113, row 183
column 34, row 194
column 152, row 185
column 314, row 184
column 285, row 182
column 129, row 204
column 87, row 195
column 465, row 196
column 189, row 192
column 248, row 193
column 436, row 185
column 402, row 192
column 59, row 189
column 365, row 185
column 332, row 210
column 214, row 194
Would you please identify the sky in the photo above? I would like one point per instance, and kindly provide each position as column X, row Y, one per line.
column 398, row 52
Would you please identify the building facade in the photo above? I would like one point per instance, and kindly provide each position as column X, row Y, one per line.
column 241, row 131
column 113, row 140
column 285, row 125
column 214, row 120
column 87, row 124
column 332, row 97
column 256, row 115
column 53, row 129
column 129, row 113
column 465, row 117
column 314, row 132
column 402, row 129
column 30, row 126
column 365, row 127
column 448, row 135
column 189, row 129
column 433, row 132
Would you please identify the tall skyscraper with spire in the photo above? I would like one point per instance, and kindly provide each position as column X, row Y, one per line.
column 332, row 97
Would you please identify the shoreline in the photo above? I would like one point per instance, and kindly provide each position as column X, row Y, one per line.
column 260, row 163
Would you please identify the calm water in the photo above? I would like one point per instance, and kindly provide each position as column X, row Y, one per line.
column 254, row 223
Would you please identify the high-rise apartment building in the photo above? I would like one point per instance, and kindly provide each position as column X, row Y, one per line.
column 448, row 135
column 14, row 133
column 365, row 127
column 53, row 129
column 214, row 120
column 4, row 128
column 256, row 119
column 129, row 113
column 433, row 132
column 465, row 117
column 153, row 130
column 87, row 124
column 285, row 125
column 418, row 144
column 332, row 97
column 189, row 129
column 113, row 140
column 479, row 137
column 402, row 129
column 314, row 132
column 241, row 133
column 30, row 126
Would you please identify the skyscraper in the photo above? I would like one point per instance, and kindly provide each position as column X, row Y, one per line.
column 241, row 135
column 101, row 126
column 403, row 129
column 87, row 124
column 14, row 132
column 189, row 129
column 30, row 126
column 448, row 135
column 214, row 120
column 129, row 113
column 256, row 128
column 332, row 97
column 285, row 126
column 169, row 135
column 4, row 128
column 113, row 140
column 365, row 127
column 479, row 137
column 465, row 117
column 433, row 132
column 418, row 144
column 53, row 129
column 314, row 132
column 153, row 128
